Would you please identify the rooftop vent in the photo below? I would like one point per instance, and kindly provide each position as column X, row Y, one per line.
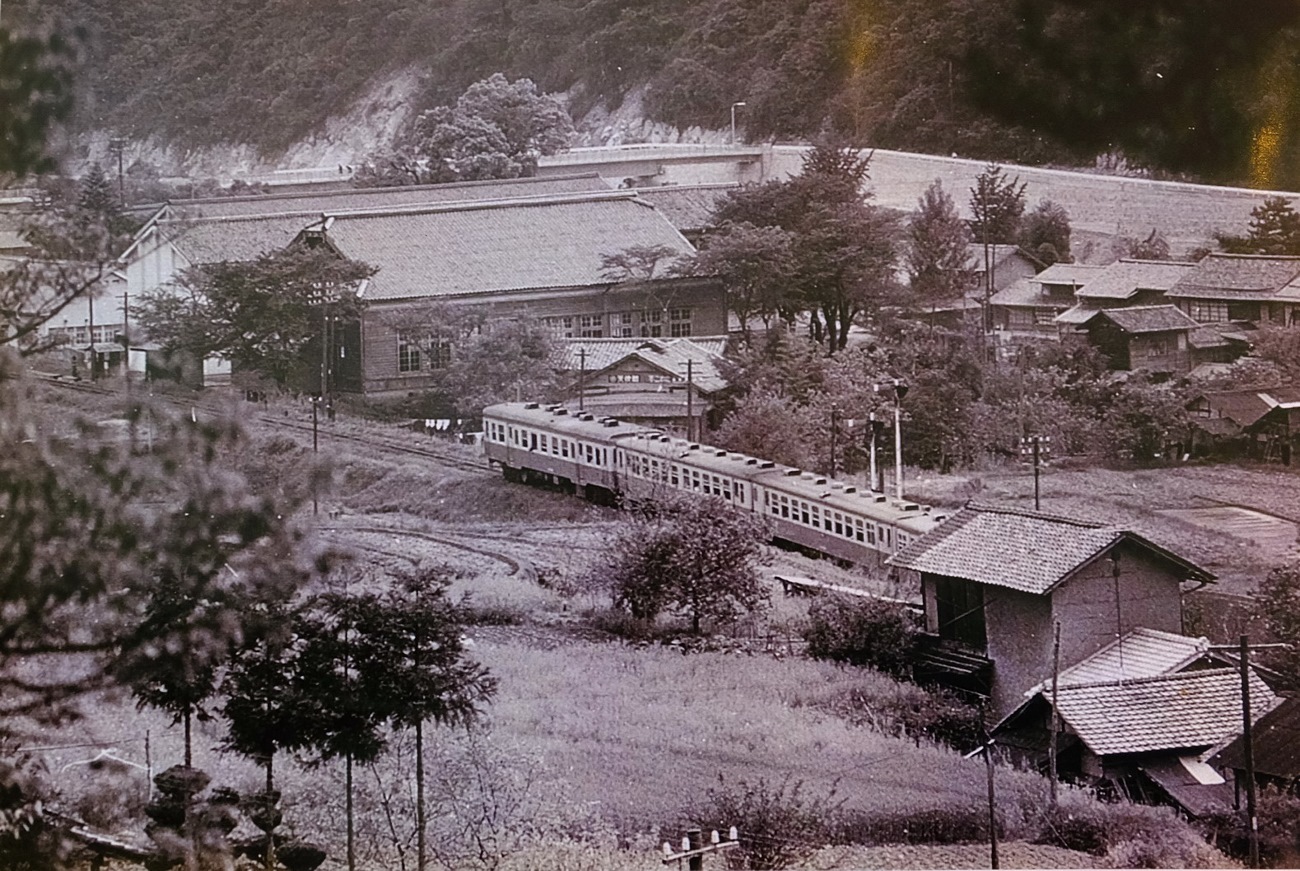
column 531, row 405
column 692, row 447
column 750, row 462
column 836, row 485
column 793, row 473
column 910, row 506
column 767, row 464
column 589, row 417
column 610, row 422
column 850, row 489
column 560, row 411
column 722, row 453
column 881, row 497
column 821, row 481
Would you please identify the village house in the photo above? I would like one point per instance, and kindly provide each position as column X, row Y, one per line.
column 1241, row 290
column 1147, row 338
column 1275, row 740
column 667, row 383
column 1139, row 719
column 1010, row 264
column 996, row 581
column 1120, row 284
column 1027, row 310
column 1261, row 422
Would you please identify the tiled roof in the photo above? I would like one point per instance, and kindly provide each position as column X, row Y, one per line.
column 1025, row 291
column 498, row 246
column 605, row 352
column 1124, row 278
column 672, row 357
column 352, row 199
column 1148, row 318
column 1078, row 315
column 1276, row 739
column 1075, row 274
column 1141, row 653
column 1022, row 550
column 1206, row 336
column 1245, row 407
column 688, row 207
column 1185, row 710
column 1000, row 255
column 210, row 241
column 1237, row 276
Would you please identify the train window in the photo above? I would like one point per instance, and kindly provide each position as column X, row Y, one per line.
column 871, row 533
column 532, row 441
column 839, row 523
column 803, row 513
column 826, row 521
column 857, row 529
column 674, row 475
column 545, row 444
column 902, row 541
column 740, row 493
column 785, row 507
column 726, row 489
column 887, row 536
column 816, row 517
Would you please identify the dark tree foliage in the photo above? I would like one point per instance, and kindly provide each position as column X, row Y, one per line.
column 1045, row 233
column 753, row 264
column 996, row 205
column 36, row 93
column 263, row 315
column 867, row 632
column 503, row 360
column 937, row 249
column 1277, row 604
column 695, row 557
column 1274, row 229
column 1187, row 85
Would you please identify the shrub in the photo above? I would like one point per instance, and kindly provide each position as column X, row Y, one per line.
column 779, row 825
column 941, row 825
column 1172, row 848
column 907, row 710
column 1128, row 835
column 870, row 632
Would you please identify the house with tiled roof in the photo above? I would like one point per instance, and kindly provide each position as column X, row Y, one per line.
column 1275, row 740
column 1125, row 282
column 537, row 257
column 689, row 208
column 996, row 581
column 670, row 383
column 1028, row 309
column 1143, row 736
column 1241, row 289
column 1264, row 422
column 1147, row 338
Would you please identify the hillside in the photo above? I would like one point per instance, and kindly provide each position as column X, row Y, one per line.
column 1016, row 80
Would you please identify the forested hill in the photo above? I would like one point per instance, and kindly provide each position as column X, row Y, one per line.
column 1184, row 86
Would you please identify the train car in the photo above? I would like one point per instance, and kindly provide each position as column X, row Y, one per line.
column 605, row 459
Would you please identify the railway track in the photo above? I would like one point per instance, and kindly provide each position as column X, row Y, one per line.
column 387, row 445
column 515, row 565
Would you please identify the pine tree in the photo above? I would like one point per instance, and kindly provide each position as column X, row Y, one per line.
column 937, row 254
column 997, row 204
column 1274, row 228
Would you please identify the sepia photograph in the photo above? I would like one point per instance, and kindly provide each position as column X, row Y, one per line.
column 618, row 435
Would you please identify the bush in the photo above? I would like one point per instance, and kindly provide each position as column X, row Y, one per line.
column 779, row 825
column 942, row 825
column 869, row 632
column 1128, row 835
column 907, row 710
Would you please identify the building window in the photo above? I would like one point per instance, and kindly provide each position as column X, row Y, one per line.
column 561, row 328
column 960, row 609
column 652, row 324
column 439, row 353
column 591, row 327
column 623, row 325
column 1044, row 317
column 679, row 322
column 1020, row 317
column 408, row 354
column 1205, row 311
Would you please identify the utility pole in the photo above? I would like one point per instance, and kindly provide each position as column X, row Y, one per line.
column 993, row 816
column 694, row 849
column 734, row 106
column 582, row 376
column 1248, row 752
column 690, row 400
column 126, row 342
column 94, row 357
column 900, row 390
column 834, row 414
column 873, row 430
column 315, row 448
column 1039, row 447
column 116, row 146
column 1056, row 720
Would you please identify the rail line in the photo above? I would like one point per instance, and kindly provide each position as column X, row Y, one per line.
column 516, row 566
column 446, row 458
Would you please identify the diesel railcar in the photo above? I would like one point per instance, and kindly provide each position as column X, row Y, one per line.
column 602, row 458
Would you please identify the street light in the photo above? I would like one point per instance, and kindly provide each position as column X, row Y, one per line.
column 734, row 106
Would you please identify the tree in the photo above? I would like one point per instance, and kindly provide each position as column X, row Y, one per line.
column 1153, row 247
column 996, row 204
column 696, row 557
column 1277, row 604
column 937, row 252
column 506, row 359
column 753, row 264
column 429, row 677
column 36, row 89
column 1045, row 233
column 263, row 315
column 496, row 129
column 867, row 632
column 1274, row 229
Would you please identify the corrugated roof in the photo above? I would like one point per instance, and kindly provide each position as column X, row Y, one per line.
column 1186, row 710
column 498, row 246
column 1022, row 550
column 1073, row 274
column 1237, row 276
column 247, row 238
column 1276, row 739
column 352, row 199
column 1140, row 653
column 1148, row 319
column 1125, row 278
column 688, row 207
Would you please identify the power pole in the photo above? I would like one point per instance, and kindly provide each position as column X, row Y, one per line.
column 690, row 400
column 993, row 815
column 582, row 376
column 1056, row 720
column 694, row 849
column 900, row 390
column 834, row 414
column 1039, row 448
column 94, row 357
column 126, row 342
column 873, row 430
column 1248, row 752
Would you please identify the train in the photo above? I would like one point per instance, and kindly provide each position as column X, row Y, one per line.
column 608, row 460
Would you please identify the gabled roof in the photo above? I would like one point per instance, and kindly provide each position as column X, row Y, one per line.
column 1022, row 550
column 1136, row 319
column 1125, row 278
column 1246, row 407
column 1207, row 336
column 1140, row 653
column 1186, row 710
column 351, row 199
column 689, row 207
column 671, row 357
column 501, row 245
column 602, row 353
column 210, row 241
column 1000, row 254
column 1023, row 292
column 1072, row 274
column 1276, row 740
column 1245, row 277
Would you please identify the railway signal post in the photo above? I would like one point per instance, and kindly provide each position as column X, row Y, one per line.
column 900, row 390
